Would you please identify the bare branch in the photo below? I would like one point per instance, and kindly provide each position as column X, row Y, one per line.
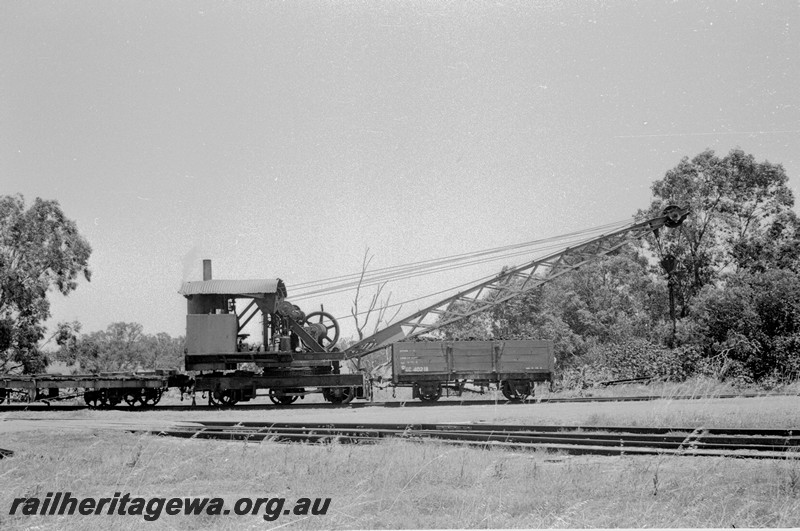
column 376, row 308
column 354, row 309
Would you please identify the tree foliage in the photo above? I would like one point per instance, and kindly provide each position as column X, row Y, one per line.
column 738, row 254
column 741, row 216
column 750, row 325
column 40, row 250
column 123, row 347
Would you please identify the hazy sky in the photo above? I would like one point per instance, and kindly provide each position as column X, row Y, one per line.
column 281, row 139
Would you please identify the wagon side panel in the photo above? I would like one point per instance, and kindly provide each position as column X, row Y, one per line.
column 413, row 361
column 472, row 358
column 526, row 357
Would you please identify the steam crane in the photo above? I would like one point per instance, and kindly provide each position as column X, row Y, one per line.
column 298, row 352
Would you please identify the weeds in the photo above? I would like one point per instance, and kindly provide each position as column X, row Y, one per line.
column 789, row 482
column 499, row 470
column 655, row 482
column 135, row 458
column 792, row 483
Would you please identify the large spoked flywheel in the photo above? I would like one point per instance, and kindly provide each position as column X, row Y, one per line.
column 324, row 328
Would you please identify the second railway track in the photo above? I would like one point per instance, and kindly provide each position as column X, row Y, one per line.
column 713, row 442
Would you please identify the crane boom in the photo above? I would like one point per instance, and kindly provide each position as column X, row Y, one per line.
column 499, row 289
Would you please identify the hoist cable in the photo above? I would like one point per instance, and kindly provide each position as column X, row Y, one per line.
column 473, row 282
column 400, row 269
column 411, row 274
column 394, row 273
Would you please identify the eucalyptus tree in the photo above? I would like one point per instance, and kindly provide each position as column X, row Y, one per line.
column 741, row 216
column 123, row 347
column 41, row 251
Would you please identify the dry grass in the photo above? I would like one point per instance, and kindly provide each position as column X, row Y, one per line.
column 693, row 387
column 398, row 484
column 410, row 485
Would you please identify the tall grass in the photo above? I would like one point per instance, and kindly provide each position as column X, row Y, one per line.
column 401, row 484
column 397, row 484
column 697, row 386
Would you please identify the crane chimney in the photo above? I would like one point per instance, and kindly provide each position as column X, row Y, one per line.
column 206, row 269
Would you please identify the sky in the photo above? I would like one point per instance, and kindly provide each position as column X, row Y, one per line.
column 284, row 139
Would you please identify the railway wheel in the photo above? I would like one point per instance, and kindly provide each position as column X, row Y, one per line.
column 223, row 398
column 91, row 398
column 282, row 398
column 152, row 396
column 339, row 395
column 325, row 330
column 143, row 397
column 102, row 398
column 96, row 398
column 113, row 397
column 516, row 391
column 429, row 392
column 133, row 397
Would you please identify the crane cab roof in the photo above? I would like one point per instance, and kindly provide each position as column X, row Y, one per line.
column 245, row 288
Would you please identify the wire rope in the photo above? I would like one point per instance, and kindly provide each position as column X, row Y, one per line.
column 450, row 289
column 426, row 267
column 380, row 280
column 452, row 258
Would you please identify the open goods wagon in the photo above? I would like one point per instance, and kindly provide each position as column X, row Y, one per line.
column 432, row 366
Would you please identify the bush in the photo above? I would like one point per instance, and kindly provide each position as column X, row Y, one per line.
column 749, row 328
column 631, row 358
column 638, row 358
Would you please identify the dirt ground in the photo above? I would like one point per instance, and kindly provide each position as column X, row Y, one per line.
column 759, row 412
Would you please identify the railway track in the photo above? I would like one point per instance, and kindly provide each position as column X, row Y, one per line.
column 46, row 406
column 739, row 443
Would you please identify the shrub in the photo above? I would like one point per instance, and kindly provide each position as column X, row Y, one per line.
column 631, row 358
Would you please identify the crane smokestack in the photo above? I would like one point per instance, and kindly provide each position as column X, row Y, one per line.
column 207, row 270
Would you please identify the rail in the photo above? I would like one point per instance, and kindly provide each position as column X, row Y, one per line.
column 596, row 440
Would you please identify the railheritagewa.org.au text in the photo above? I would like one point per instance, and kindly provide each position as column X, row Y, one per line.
column 152, row 508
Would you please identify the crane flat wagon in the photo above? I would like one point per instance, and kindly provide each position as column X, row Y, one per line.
column 143, row 388
column 512, row 365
